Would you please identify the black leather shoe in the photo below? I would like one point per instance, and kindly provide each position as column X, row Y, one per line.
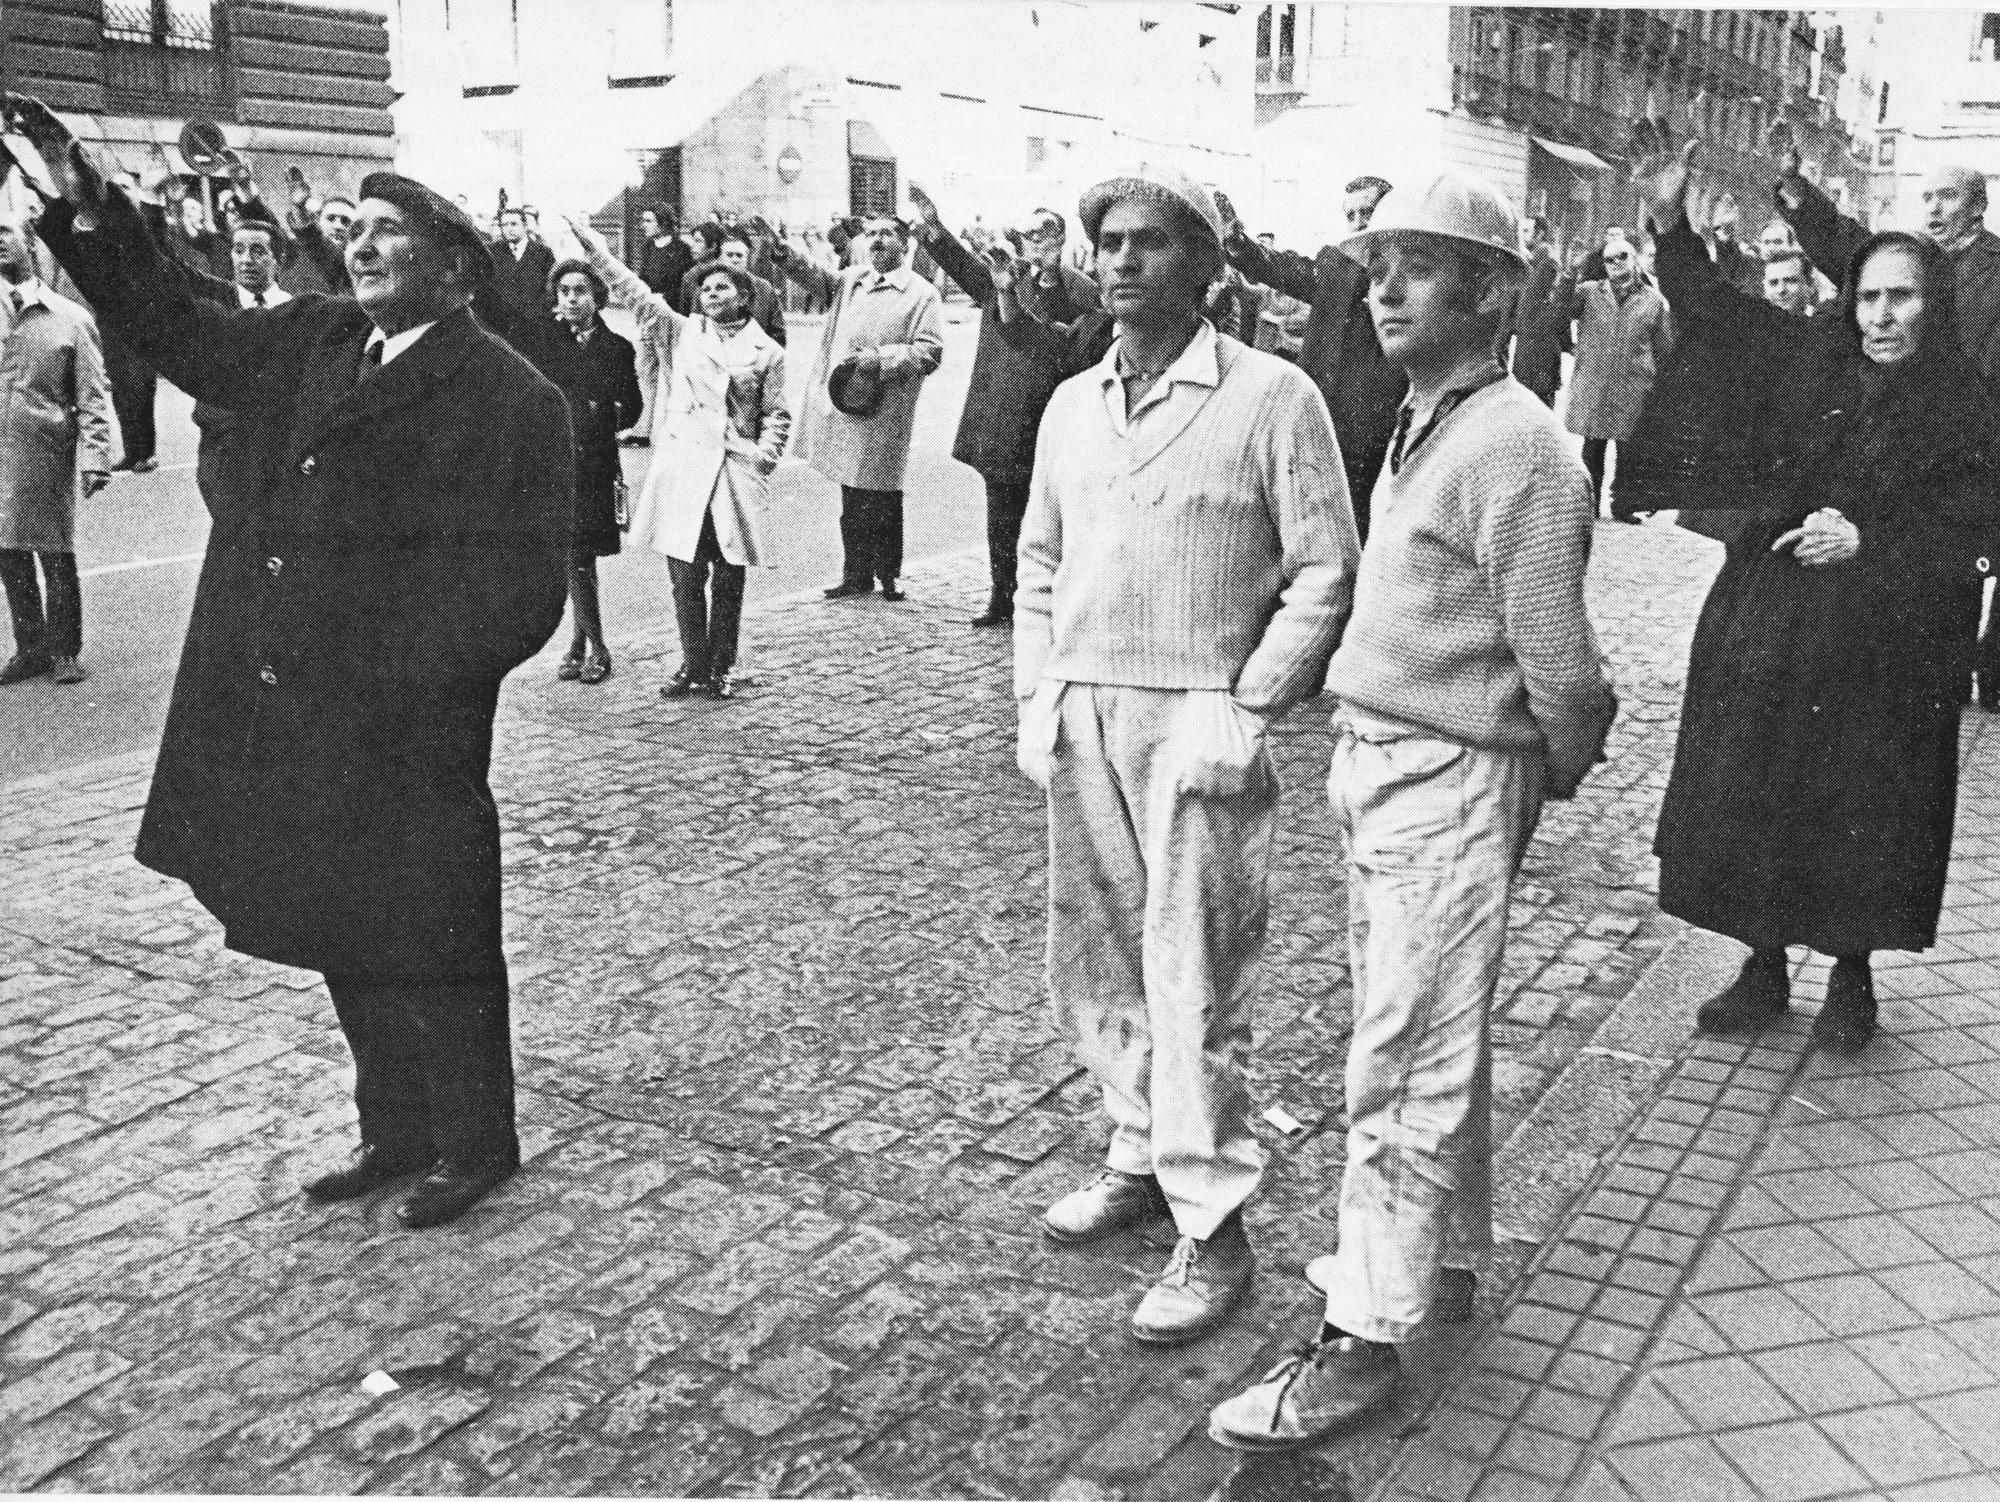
column 1757, row 997
column 447, row 1193
column 367, row 1171
column 681, row 685
column 1846, row 1018
column 722, row 686
column 25, row 665
column 847, row 587
column 992, row 617
column 892, row 594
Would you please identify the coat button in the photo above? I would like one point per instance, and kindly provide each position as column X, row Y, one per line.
column 269, row 676
column 308, row 464
column 274, row 565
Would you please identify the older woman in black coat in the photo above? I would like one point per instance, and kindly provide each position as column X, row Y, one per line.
column 1815, row 780
column 596, row 372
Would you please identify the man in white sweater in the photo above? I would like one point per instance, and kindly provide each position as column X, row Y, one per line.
column 1471, row 687
column 1185, row 567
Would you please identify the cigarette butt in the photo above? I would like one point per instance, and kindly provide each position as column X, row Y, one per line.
column 1284, row 1121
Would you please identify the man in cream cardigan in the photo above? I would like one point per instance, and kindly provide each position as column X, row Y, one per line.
column 1185, row 568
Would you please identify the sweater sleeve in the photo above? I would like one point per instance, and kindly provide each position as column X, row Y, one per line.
column 1532, row 544
column 1305, row 486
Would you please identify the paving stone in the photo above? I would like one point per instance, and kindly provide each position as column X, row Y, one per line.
column 1895, row 1445
column 1790, row 1462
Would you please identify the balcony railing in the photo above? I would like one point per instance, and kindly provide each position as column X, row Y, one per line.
column 167, row 58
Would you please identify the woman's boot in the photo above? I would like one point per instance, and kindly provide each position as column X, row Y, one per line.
column 1754, row 1000
column 1846, row 1018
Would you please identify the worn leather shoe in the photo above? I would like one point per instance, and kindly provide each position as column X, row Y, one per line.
column 1108, row 1204
column 848, row 587
column 1759, row 996
column 68, row 670
column 992, row 617
column 1846, row 1018
column 1315, row 1392
column 447, row 1193
column 368, row 1170
column 722, row 686
column 571, row 667
column 1452, row 1303
column 24, row 665
column 1202, row 1282
column 891, row 593
column 596, row 667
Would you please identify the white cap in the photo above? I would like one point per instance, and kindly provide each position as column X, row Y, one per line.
column 1453, row 204
column 1155, row 183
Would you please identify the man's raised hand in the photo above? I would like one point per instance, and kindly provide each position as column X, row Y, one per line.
column 1232, row 224
column 1666, row 194
column 75, row 177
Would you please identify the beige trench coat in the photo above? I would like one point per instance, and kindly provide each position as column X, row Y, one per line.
column 896, row 316
column 54, row 399
column 719, row 425
column 1620, row 348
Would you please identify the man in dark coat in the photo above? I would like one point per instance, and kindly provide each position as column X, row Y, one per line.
column 521, row 267
column 664, row 257
column 1362, row 389
column 387, row 542
column 1539, row 324
column 1010, row 386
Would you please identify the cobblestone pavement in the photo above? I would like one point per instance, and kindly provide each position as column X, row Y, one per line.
column 792, row 1103
column 1786, row 1282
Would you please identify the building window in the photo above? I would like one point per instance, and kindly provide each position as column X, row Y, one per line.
column 871, row 186
column 1277, row 44
column 1984, row 50
column 642, row 42
column 167, row 56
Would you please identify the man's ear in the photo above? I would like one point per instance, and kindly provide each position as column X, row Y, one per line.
column 1497, row 291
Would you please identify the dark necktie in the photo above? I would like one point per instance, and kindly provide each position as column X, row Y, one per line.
column 371, row 362
column 14, row 301
column 257, row 299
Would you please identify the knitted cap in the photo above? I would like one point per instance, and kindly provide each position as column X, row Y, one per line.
column 1166, row 186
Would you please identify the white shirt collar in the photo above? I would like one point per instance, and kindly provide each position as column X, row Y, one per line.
column 31, row 292
column 394, row 344
column 273, row 295
column 1197, row 364
column 899, row 278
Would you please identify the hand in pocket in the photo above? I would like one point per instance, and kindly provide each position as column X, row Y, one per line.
column 1041, row 727
column 1223, row 745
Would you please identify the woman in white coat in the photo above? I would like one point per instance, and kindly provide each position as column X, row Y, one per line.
column 719, row 429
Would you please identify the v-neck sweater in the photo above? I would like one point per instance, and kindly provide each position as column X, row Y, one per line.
column 1211, row 546
column 1469, row 617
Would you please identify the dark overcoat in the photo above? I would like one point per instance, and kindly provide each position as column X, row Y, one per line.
column 523, row 284
column 1362, row 387
column 1010, row 386
column 600, row 381
column 1540, row 327
column 381, row 554
column 1815, row 777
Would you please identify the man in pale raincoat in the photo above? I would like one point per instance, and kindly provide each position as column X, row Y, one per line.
column 719, row 429
column 882, row 338
column 54, row 400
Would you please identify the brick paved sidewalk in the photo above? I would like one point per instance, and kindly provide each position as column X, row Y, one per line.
column 791, row 1102
column 1786, row 1282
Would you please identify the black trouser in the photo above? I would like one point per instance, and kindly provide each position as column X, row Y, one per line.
column 1593, row 461
column 433, row 1068
column 708, row 605
column 871, row 535
column 585, row 619
column 58, row 630
column 1006, row 504
column 133, row 384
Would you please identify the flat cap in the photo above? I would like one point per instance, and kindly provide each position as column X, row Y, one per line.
column 435, row 215
column 1153, row 183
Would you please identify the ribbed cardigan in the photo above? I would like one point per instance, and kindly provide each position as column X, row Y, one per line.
column 1468, row 613
column 1216, row 551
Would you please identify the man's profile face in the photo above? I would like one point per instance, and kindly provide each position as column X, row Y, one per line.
column 16, row 264
column 401, row 277
column 735, row 253
column 1423, row 309
column 1359, row 206
column 1952, row 209
column 335, row 215
column 252, row 260
column 1146, row 268
column 513, row 228
column 193, row 220
column 1723, row 220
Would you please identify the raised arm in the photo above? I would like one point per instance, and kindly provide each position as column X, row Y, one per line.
column 658, row 322
column 1282, row 270
column 960, row 264
column 821, row 283
column 1825, row 234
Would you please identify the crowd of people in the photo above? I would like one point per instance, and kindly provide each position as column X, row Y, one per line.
column 1190, row 536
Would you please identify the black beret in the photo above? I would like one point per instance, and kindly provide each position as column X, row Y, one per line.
column 435, row 216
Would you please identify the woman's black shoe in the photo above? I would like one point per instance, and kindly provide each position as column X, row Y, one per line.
column 1757, row 997
column 1846, row 1018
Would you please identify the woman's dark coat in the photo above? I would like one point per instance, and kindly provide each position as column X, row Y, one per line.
column 381, row 554
column 600, row 382
column 1815, row 779
column 1540, row 325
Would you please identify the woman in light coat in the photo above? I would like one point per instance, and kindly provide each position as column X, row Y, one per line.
column 719, row 428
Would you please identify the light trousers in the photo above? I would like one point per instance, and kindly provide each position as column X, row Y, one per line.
column 1434, row 832
column 1157, row 909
